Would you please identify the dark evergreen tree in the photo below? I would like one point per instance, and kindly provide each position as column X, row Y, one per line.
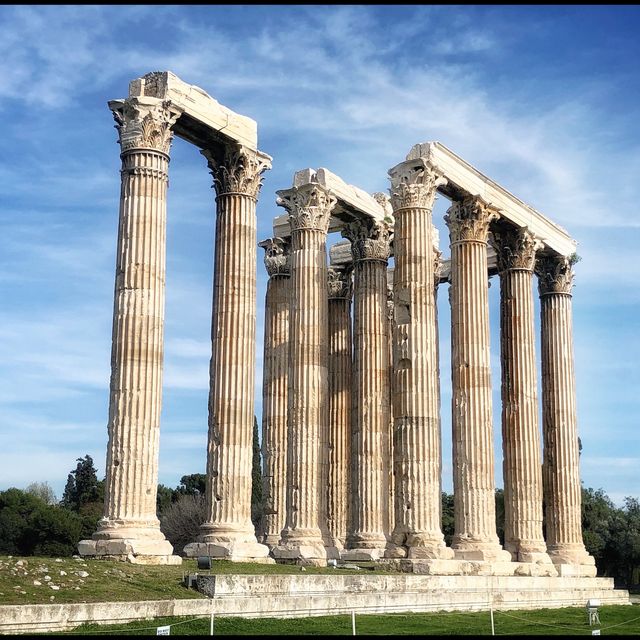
column 83, row 493
column 256, row 478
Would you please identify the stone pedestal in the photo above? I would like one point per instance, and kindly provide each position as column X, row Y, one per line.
column 417, row 449
column 366, row 539
column 561, row 471
column 228, row 532
column 274, row 390
column 340, row 369
column 309, row 208
column 129, row 529
column 522, row 471
column 475, row 535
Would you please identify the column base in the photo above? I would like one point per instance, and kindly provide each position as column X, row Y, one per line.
column 468, row 548
column 362, row 555
column 425, row 546
column 457, row 567
column 308, row 553
column 575, row 554
column 232, row 551
column 395, row 551
column 127, row 550
column 271, row 540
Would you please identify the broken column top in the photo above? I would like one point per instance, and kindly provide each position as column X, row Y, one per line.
column 204, row 120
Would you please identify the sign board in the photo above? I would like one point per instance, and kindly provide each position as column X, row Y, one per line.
column 163, row 631
column 595, row 632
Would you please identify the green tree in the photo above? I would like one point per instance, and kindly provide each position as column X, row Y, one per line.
column 42, row 490
column 447, row 517
column 500, row 515
column 192, row 485
column 256, row 478
column 164, row 498
column 30, row 526
column 83, row 493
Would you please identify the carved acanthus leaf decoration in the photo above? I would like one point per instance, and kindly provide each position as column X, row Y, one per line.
column 239, row 171
column 555, row 274
column 469, row 219
column 370, row 239
column 339, row 283
column 277, row 256
column 143, row 125
column 515, row 248
column 414, row 184
column 309, row 206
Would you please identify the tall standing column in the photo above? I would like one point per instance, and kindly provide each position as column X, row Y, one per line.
column 274, row 389
column 561, row 463
column 370, row 249
column 340, row 358
column 475, row 535
column 416, row 390
column 129, row 529
column 309, row 208
column 228, row 531
column 522, row 471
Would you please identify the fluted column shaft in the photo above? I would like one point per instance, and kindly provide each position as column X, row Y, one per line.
column 138, row 332
column 370, row 400
column 473, row 478
column 340, row 371
column 237, row 180
column 309, row 208
column 274, row 390
column 417, row 445
column 522, row 472
column 561, row 471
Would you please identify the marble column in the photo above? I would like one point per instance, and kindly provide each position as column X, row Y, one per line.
column 370, row 401
column 340, row 369
column 274, row 389
column 522, row 472
column 391, row 511
column 561, row 463
column 228, row 532
column 417, row 444
column 129, row 528
column 475, row 535
column 309, row 208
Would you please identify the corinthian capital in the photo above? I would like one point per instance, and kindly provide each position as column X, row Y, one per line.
column 238, row 170
column 414, row 184
column 144, row 123
column 309, row 206
column 339, row 283
column 555, row 274
column 369, row 239
column 276, row 256
column 515, row 248
column 469, row 219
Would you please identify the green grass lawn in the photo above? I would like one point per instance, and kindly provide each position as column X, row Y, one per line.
column 615, row 620
column 118, row 581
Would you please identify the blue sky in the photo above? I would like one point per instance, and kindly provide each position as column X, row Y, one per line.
column 544, row 100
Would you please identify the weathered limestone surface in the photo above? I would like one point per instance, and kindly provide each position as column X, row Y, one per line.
column 522, row 471
column 228, row 532
column 561, row 472
column 274, row 389
column 473, row 478
column 370, row 247
column 340, row 370
column 203, row 119
column 463, row 179
column 417, row 449
column 292, row 596
column 309, row 207
column 129, row 528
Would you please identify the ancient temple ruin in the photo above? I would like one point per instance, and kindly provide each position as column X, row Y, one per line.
column 351, row 391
